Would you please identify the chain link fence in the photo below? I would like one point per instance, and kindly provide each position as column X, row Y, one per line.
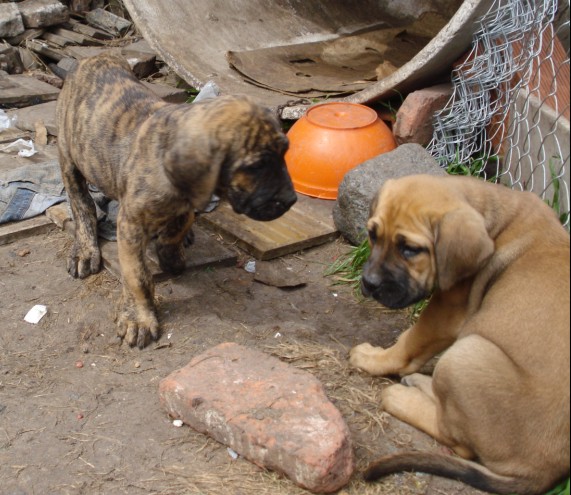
column 508, row 119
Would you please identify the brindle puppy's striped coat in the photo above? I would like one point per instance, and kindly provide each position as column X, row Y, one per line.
column 161, row 161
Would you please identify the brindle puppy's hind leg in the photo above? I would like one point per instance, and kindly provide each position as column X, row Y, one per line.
column 85, row 256
column 171, row 243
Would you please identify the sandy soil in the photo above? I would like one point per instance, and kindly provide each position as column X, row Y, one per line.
column 99, row 428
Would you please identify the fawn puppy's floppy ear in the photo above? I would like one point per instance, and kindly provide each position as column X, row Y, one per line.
column 462, row 246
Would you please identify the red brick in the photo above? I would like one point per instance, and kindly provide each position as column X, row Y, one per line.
column 414, row 122
column 272, row 414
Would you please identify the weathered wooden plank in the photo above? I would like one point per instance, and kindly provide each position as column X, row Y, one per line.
column 13, row 134
column 78, row 38
column 19, row 91
column 108, row 21
column 43, row 13
column 43, row 48
column 90, row 31
column 26, row 118
column 301, row 228
column 57, row 40
column 168, row 93
column 28, row 34
column 206, row 252
column 16, row 231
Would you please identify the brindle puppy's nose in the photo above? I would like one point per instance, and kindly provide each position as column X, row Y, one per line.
column 288, row 199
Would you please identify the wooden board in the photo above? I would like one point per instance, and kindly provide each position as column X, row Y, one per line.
column 15, row 231
column 11, row 161
column 26, row 118
column 21, row 91
column 13, row 134
column 303, row 227
column 206, row 252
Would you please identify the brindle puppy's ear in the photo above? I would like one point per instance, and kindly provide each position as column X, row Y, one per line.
column 192, row 163
column 463, row 246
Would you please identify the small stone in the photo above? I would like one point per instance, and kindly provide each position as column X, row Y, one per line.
column 79, row 364
column 178, row 423
column 266, row 411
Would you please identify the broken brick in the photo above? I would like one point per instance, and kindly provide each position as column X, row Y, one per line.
column 274, row 415
column 415, row 118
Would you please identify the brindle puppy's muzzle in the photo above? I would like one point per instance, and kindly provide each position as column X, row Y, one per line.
column 269, row 200
column 273, row 208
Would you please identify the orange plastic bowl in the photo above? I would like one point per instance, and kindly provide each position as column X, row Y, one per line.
column 331, row 139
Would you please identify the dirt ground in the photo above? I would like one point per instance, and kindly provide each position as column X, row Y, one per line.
column 99, row 429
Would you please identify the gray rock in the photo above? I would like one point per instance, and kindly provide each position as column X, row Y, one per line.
column 361, row 184
column 43, row 13
column 11, row 23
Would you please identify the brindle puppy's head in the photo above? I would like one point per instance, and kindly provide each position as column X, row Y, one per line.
column 424, row 235
column 258, row 183
column 234, row 147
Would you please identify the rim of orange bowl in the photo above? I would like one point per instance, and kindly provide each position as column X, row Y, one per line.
column 315, row 192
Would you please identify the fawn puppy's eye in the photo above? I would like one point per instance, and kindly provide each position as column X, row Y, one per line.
column 409, row 252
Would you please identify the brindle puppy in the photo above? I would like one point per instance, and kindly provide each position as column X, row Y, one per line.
column 161, row 162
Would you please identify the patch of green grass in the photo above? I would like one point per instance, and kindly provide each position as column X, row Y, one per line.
column 474, row 167
column 393, row 104
column 555, row 201
column 192, row 94
column 417, row 309
column 563, row 489
column 348, row 268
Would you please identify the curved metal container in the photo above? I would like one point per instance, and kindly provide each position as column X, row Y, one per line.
column 197, row 38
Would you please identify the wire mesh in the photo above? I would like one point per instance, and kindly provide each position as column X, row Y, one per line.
column 508, row 118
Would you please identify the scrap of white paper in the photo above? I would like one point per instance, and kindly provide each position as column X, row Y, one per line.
column 35, row 314
column 5, row 121
column 25, row 149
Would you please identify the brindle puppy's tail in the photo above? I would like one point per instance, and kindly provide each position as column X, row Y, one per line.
column 459, row 469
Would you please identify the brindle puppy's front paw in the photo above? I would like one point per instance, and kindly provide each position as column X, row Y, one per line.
column 172, row 258
column 137, row 331
column 84, row 261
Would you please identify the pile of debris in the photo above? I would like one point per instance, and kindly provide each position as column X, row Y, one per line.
column 40, row 42
column 44, row 39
